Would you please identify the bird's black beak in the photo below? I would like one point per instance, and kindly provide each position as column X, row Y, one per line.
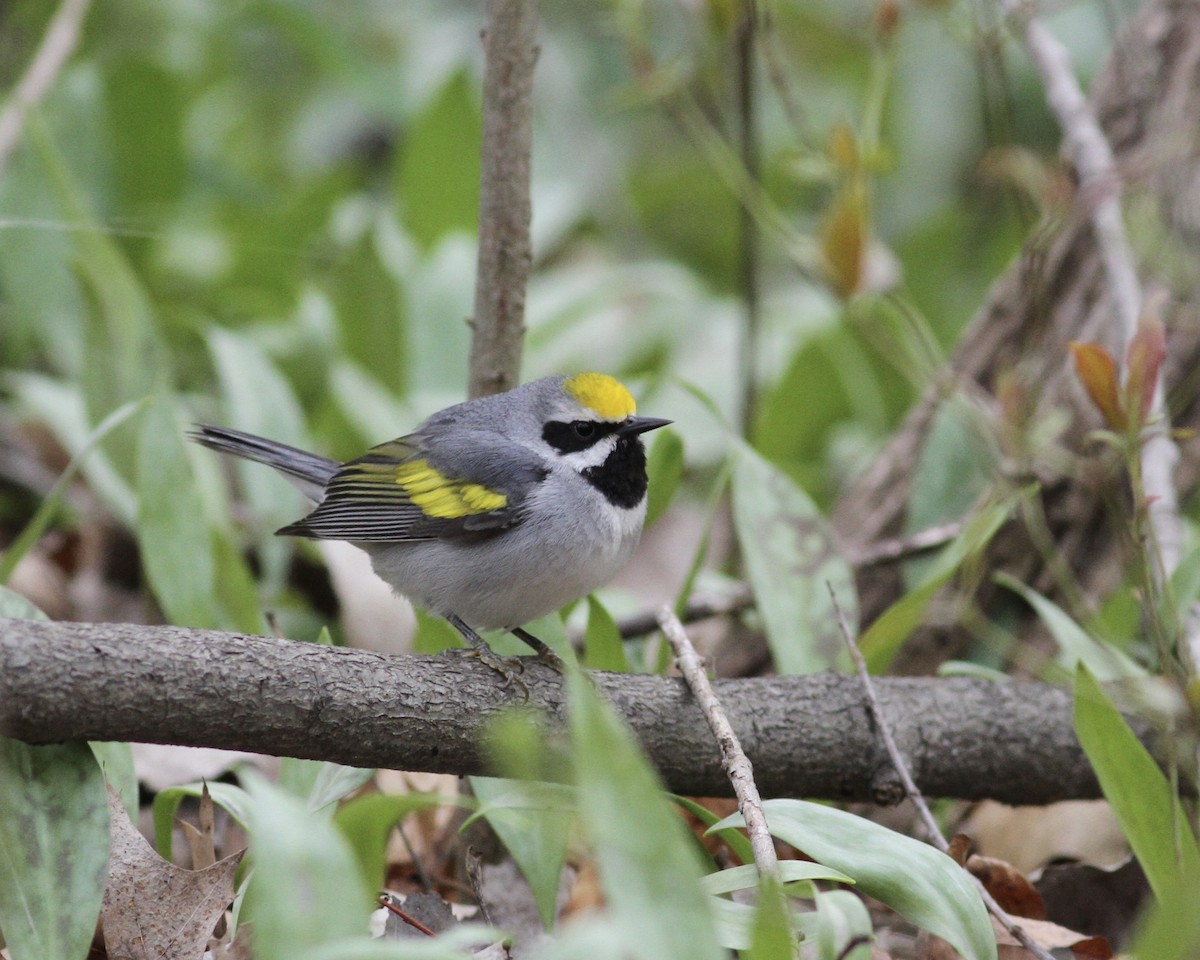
column 636, row 425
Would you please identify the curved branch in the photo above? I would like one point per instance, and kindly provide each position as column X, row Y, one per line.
column 806, row 736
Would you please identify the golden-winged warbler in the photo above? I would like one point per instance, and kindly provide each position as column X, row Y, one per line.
column 491, row 513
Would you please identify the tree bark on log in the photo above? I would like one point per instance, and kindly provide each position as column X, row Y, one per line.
column 807, row 736
column 1147, row 99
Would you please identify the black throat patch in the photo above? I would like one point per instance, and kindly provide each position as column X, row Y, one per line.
column 622, row 476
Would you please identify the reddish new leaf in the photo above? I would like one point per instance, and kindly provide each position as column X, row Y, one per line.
column 1144, row 359
column 1097, row 371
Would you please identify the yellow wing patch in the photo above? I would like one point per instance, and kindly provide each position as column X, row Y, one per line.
column 604, row 395
column 439, row 496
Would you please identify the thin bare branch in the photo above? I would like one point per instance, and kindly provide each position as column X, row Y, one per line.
column 914, row 794
column 1100, row 187
column 505, row 256
column 733, row 758
column 59, row 42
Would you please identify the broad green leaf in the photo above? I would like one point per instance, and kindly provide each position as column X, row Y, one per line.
column 438, row 173
column 735, row 923
column 533, row 820
column 746, row 877
column 173, row 535
column 367, row 821
column 884, row 638
column 116, row 764
column 1075, row 645
column 1170, row 929
column 33, row 530
column 771, row 937
column 13, row 606
column 920, row 883
column 955, row 467
column 790, row 558
column 737, row 841
column 53, row 849
column 664, row 466
column 232, row 799
column 458, row 943
column 335, row 781
column 124, row 352
column 649, row 867
column 260, row 401
column 841, row 918
column 1149, row 813
column 307, row 888
column 603, row 648
column 60, row 405
column 237, row 591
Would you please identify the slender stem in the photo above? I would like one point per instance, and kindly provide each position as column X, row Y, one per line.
column 59, row 42
column 733, row 758
column 910, row 787
column 748, row 263
column 505, row 256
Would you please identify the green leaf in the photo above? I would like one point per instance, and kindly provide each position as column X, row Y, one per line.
column 124, row 352
column 53, row 849
column 367, row 821
column 649, row 866
column 955, row 467
column 920, row 883
column 307, row 888
column 884, row 638
column 33, row 530
column 335, row 781
column 60, row 405
column 737, row 841
column 232, row 799
column 438, row 173
column 259, row 400
column 664, row 466
column 746, row 876
column 173, row 534
column 1141, row 797
column 841, row 918
column 771, row 937
column 1170, row 930
column 116, row 764
column 790, row 556
column 13, row 606
column 533, row 820
column 1075, row 645
column 735, row 923
column 603, row 648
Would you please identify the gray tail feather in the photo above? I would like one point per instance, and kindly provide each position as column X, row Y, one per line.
column 307, row 471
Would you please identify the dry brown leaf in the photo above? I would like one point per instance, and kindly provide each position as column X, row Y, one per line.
column 1049, row 936
column 153, row 908
column 200, row 839
column 1009, row 886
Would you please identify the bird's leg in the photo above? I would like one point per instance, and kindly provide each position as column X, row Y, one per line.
column 544, row 653
column 507, row 667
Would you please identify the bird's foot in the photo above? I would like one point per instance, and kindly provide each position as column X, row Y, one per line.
column 509, row 668
column 544, row 654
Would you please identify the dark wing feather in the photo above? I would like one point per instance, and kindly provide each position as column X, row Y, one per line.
column 472, row 484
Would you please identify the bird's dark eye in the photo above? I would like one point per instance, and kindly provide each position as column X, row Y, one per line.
column 584, row 429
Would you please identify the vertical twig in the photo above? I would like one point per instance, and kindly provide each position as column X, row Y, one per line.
column 59, row 42
column 733, row 758
column 747, row 35
column 1100, row 184
column 502, row 271
column 914, row 794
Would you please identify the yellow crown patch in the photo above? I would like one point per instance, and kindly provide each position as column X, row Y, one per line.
column 602, row 394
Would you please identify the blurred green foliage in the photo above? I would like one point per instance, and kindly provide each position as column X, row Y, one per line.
column 267, row 210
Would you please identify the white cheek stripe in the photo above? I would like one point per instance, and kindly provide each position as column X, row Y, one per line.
column 593, row 456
